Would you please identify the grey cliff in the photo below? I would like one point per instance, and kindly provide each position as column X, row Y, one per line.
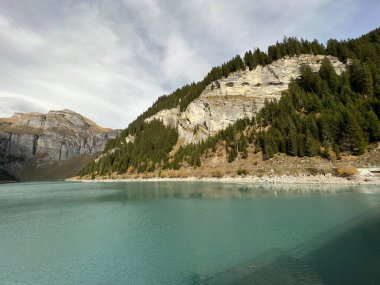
column 55, row 136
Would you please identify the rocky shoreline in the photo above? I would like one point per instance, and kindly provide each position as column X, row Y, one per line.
column 364, row 177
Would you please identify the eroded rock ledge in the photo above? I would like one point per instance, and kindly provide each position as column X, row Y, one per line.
column 240, row 95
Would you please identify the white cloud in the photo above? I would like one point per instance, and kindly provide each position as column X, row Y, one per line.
column 13, row 37
column 181, row 62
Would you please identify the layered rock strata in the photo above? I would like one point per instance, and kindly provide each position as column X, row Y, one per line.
column 55, row 136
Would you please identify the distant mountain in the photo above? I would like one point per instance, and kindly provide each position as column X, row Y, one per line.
column 56, row 137
column 299, row 98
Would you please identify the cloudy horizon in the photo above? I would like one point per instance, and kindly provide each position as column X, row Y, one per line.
column 110, row 60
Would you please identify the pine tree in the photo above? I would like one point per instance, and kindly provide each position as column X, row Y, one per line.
column 352, row 135
column 373, row 127
column 292, row 143
column 327, row 73
column 311, row 144
column 361, row 78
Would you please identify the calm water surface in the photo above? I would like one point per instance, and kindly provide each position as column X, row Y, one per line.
column 188, row 233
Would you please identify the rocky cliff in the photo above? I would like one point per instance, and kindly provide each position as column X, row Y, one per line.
column 52, row 137
column 240, row 95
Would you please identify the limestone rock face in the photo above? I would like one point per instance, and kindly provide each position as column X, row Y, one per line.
column 242, row 94
column 55, row 136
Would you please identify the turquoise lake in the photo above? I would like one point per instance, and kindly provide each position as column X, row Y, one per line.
column 188, row 233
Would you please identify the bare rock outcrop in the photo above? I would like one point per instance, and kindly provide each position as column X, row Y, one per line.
column 242, row 94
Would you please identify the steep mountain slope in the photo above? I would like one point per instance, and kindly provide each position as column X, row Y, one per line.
column 240, row 95
column 53, row 137
column 300, row 98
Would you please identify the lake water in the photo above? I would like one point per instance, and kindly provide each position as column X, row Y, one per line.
column 188, row 233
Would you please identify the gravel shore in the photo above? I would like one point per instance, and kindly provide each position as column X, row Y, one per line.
column 364, row 177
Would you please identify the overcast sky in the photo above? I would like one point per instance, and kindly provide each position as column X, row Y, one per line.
column 109, row 60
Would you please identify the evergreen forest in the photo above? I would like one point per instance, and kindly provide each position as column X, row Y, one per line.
column 321, row 113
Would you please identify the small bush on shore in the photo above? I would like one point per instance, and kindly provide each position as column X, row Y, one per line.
column 242, row 171
column 346, row 171
column 217, row 174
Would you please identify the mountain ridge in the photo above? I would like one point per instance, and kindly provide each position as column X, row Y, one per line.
column 302, row 130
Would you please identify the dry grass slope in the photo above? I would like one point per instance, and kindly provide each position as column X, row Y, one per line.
column 52, row 170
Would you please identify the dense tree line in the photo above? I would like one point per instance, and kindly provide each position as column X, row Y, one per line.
column 321, row 113
column 152, row 143
column 292, row 47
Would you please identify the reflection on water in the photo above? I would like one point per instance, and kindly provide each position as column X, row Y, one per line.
column 225, row 190
column 119, row 192
column 188, row 233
